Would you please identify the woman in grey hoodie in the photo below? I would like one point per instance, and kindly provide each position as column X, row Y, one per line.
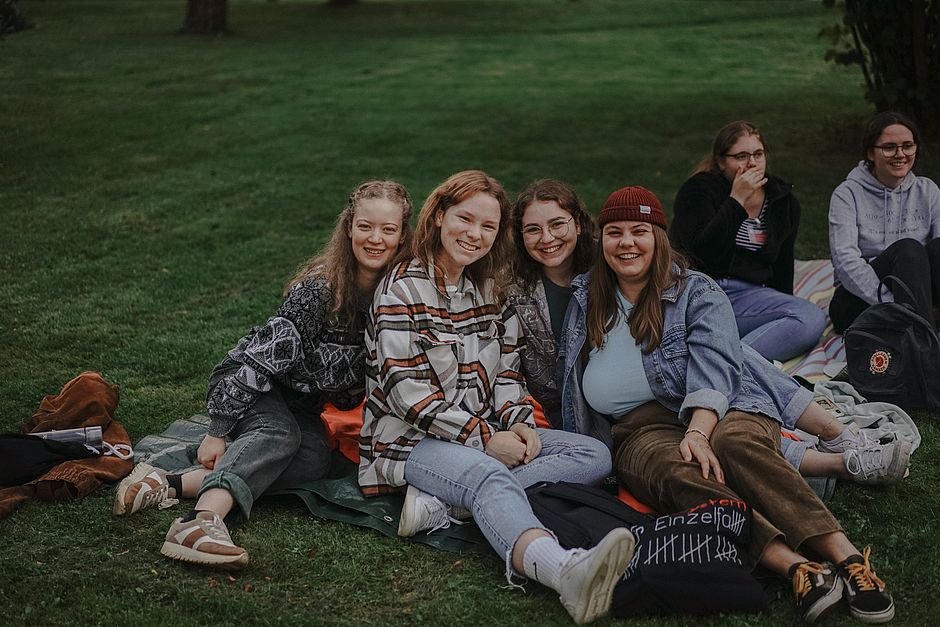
column 884, row 222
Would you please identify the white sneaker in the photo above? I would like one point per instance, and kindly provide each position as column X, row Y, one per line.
column 879, row 464
column 587, row 579
column 856, row 440
column 421, row 512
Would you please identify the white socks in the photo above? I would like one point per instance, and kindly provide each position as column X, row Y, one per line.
column 543, row 559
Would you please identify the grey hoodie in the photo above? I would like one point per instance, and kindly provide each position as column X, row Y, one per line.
column 865, row 217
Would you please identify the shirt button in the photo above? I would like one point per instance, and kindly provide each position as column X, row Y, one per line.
column 659, row 380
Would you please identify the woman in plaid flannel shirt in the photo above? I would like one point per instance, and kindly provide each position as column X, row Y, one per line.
column 447, row 414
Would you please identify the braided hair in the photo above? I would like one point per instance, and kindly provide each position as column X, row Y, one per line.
column 336, row 262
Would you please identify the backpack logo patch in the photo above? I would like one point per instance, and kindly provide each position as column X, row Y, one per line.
column 879, row 362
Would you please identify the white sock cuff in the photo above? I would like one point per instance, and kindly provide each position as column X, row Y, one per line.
column 543, row 559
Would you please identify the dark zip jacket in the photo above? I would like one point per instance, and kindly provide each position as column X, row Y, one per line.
column 706, row 220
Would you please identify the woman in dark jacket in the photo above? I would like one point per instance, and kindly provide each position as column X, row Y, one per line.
column 266, row 395
column 737, row 223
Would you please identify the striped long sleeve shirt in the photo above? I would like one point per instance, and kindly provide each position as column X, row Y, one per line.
column 440, row 362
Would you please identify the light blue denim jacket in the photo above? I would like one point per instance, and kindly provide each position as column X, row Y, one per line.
column 700, row 362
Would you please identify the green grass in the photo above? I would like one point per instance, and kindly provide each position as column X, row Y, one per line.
column 157, row 191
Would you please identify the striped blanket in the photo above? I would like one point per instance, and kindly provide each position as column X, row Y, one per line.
column 813, row 281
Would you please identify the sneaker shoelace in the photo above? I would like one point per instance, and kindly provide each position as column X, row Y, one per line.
column 216, row 530
column 862, row 576
column 871, row 460
column 438, row 515
column 802, row 584
column 160, row 496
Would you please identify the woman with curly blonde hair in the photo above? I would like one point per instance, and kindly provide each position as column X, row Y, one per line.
column 266, row 395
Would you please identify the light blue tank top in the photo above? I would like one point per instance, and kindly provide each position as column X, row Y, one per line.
column 614, row 380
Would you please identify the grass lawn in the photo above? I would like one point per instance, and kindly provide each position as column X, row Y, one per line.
column 157, row 191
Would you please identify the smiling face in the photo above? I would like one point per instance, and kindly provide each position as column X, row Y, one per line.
column 628, row 250
column 467, row 231
column 375, row 233
column 745, row 145
column 891, row 170
column 550, row 235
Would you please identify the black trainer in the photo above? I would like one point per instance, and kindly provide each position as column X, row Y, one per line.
column 816, row 587
column 865, row 593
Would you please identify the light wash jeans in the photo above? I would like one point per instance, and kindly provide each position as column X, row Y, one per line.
column 776, row 325
column 494, row 494
column 279, row 444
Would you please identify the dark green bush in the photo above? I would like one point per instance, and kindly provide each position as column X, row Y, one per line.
column 897, row 45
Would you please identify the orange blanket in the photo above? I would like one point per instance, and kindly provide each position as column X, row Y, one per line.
column 342, row 430
column 85, row 401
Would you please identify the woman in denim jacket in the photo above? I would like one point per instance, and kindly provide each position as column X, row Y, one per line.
column 695, row 415
column 266, row 395
column 554, row 236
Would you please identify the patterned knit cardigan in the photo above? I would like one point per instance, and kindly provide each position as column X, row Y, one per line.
column 302, row 348
column 440, row 361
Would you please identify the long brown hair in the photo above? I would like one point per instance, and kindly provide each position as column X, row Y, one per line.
column 427, row 237
column 527, row 270
column 727, row 136
column 646, row 318
column 336, row 262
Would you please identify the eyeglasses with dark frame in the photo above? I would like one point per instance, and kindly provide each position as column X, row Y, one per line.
column 743, row 156
column 891, row 149
column 558, row 228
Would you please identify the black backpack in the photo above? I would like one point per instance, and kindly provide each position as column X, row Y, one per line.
column 688, row 563
column 893, row 355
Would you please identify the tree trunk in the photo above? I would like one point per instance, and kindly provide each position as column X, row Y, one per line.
column 206, row 17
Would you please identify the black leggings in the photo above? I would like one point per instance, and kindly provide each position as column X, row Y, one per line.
column 916, row 264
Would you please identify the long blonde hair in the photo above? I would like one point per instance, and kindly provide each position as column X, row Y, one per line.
column 427, row 237
column 336, row 261
column 646, row 318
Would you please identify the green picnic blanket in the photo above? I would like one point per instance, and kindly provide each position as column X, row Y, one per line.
column 336, row 498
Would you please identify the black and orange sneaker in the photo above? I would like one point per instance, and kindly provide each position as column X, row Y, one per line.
column 869, row 600
column 817, row 588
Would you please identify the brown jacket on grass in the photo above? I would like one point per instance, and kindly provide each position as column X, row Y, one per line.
column 85, row 401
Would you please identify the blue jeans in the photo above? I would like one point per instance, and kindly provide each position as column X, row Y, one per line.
column 279, row 444
column 776, row 325
column 495, row 494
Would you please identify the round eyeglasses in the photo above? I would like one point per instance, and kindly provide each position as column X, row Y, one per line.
column 558, row 228
column 889, row 150
column 742, row 157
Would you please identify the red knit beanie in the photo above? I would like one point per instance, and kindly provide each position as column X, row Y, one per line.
column 633, row 203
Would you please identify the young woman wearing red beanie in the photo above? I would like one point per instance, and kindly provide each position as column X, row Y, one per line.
column 651, row 350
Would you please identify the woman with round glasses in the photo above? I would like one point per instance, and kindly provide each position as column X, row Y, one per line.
column 737, row 223
column 883, row 223
column 554, row 236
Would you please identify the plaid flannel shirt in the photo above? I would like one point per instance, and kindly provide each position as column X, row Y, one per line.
column 439, row 363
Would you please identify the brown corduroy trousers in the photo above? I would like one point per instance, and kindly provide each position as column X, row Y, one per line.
column 648, row 463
